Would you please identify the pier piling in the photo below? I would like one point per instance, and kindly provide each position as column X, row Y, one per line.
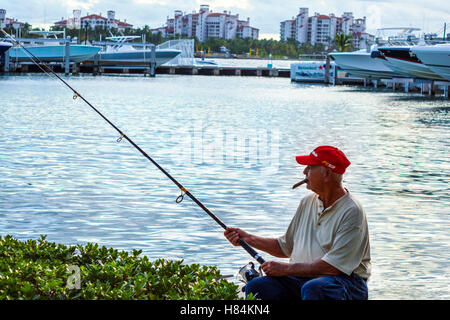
column 67, row 57
column 153, row 61
column 327, row 70
column 7, row 61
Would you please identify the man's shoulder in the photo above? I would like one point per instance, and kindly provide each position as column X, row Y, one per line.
column 310, row 197
column 353, row 202
column 305, row 204
column 352, row 208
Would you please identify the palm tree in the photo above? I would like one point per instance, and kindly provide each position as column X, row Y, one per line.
column 343, row 41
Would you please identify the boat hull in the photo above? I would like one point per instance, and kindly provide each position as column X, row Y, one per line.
column 436, row 58
column 77, row 53
column 404, row 62
column 137, row 56
column 4, row 46
column 362, row 65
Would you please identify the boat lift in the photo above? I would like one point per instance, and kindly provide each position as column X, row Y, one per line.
column 114, row 43
column 46, row 40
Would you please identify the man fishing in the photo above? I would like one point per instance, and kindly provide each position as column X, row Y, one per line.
column 327, row 241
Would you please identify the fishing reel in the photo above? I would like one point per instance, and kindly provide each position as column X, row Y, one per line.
column 248, row 272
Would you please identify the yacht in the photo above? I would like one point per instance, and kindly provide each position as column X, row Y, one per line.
column 51, row 49
column 4, row 46
column 361, row 64
column 119, row 51
column 436, row 58
column 404, row 61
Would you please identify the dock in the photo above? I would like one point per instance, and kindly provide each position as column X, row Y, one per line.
column 96, row 67
column 425, row 87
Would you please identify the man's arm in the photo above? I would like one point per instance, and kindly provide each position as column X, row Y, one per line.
column 269, row 245
column 317, row 268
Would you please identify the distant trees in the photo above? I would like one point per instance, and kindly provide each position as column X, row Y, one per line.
column 343, row 42
column 261, row 48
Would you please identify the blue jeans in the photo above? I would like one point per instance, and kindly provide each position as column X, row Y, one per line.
column 340, row 287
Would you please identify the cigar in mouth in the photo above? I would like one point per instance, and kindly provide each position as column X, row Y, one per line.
column 298, row 184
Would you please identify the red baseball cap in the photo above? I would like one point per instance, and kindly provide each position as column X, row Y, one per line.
column 327, row 156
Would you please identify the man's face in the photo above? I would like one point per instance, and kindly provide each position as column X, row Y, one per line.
column 315, row 176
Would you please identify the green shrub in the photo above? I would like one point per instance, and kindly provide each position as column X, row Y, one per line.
column 41, row 270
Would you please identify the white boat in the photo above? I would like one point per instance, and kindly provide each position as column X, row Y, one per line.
column 51, row 50
column 4, row 46
column 405, row 62
column 371, row 65
column 204, row 62
column 119, row 51
column 436, row 58
column 361, row 64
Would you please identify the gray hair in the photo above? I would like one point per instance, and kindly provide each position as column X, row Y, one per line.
column 335, row 177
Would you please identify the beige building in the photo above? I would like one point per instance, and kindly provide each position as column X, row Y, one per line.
column 207, row 24
column 6, row 22
column 93, row 20
column 322, row 29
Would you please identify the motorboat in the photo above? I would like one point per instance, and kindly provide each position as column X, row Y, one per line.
column 4, row 46
column 118, row 51
column 51, row 49
column 404, row 61
column 361, row 64
column 204, row 62
column 364, row 63
column 436, row 58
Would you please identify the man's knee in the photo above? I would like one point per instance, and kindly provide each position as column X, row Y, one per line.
column 321, row 289
column 257, row 286
column 266, row 288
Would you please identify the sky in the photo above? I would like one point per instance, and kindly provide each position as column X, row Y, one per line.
column 265, row 15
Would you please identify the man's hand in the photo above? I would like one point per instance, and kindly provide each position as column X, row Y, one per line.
column 234, row 235
column 276, row 269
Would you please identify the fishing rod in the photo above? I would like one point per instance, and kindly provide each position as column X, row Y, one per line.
column 46, row 69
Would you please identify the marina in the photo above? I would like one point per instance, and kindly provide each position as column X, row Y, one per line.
column 389, row 67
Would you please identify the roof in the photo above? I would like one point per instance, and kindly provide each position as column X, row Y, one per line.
column 124, row 24
column 322, row 17
column 17, row 22
column 94, row 16
column 61, row 22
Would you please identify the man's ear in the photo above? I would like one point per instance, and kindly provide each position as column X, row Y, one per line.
column 328, row 173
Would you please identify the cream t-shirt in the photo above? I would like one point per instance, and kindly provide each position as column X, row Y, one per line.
column 338, row 235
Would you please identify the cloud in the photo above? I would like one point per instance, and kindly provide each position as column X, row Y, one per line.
column 228, row 4
column 160, row 2
column 265, row 15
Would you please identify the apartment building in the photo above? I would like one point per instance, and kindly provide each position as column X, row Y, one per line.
column 93, row 20
column 6, row 22
column 206, row 24
column 322, row 29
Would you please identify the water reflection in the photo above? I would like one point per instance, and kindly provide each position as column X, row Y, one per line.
column 64, row 174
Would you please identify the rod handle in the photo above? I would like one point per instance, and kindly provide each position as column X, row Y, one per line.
column 251, row 251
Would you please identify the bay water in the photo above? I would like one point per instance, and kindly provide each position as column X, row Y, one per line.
column 232, row 142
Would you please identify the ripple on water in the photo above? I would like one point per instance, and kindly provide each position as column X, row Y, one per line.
column 231, row 141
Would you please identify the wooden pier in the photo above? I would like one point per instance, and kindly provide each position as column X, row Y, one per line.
column 96, row 67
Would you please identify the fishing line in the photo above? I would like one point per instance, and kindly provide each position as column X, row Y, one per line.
column 122, row 136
